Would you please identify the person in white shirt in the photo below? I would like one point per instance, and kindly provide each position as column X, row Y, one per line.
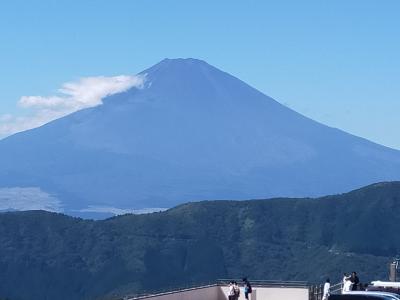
column 327, row 287
column 231, row 291
column 346, row 285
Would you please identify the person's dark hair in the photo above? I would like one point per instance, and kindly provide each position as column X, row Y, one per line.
column 244, row 279
column 328, row 280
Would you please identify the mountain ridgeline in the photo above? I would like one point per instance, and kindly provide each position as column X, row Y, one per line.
column 192, row 132
column 52, row 256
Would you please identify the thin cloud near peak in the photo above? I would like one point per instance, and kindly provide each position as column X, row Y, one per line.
column 73, row 96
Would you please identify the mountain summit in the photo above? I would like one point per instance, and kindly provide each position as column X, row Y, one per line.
column 192, row 132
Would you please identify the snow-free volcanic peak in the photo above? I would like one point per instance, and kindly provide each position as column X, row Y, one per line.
column 192, row 132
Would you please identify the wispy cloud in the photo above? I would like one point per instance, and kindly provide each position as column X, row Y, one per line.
column 71, row 97
column 120, row 211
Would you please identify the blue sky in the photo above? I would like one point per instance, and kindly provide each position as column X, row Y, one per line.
column 334, row 61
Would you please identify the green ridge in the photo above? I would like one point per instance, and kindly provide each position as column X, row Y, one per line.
column 52, row 256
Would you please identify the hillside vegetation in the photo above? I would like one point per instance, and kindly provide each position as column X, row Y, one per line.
column 52, row 256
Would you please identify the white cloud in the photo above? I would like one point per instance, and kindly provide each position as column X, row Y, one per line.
column 73, row 96
column 28, row 198
column 44, row 102
column 120, row 211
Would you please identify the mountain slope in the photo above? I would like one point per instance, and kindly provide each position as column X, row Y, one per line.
column 51, row 256
column 192, row 133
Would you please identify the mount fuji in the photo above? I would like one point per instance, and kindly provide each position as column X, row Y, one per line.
column 192, row 132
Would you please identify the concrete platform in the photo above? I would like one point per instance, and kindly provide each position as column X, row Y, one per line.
column 217, row 292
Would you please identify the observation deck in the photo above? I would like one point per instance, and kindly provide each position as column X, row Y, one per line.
column 261, row 290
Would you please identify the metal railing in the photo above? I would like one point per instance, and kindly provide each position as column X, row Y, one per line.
column 269, row 283
column 336, row 288
column 316, row 292
column 166, row 291
column 171, row 292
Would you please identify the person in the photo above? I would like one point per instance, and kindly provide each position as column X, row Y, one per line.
column 346, row 283
column 236, row 290
column 247, row 288
column 231, row 291
column 327, row 287
column 355, row 281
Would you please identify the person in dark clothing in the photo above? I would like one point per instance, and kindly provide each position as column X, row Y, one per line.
column 354, row 279
column 247, row 288
column 236, row 290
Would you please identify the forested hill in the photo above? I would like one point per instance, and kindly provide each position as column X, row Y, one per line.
column 51, row 256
